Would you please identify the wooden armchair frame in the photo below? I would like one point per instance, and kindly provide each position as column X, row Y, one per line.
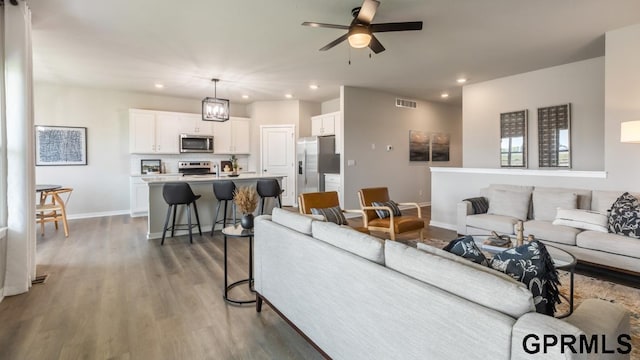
column 392, row 218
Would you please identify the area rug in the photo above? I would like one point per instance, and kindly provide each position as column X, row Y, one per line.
column 586, row 287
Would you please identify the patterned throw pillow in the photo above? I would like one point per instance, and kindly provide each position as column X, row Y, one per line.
column 384, row 213
column 532, row 265
column 480, row 205
column 624, row 216
column 332, row 214
column 467, row 248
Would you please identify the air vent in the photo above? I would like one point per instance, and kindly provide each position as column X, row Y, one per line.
column 404, row 103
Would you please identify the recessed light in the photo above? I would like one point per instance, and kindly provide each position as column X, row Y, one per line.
column 313, row 87
column 461, row 80
column 444, row 95
column 159, row 86
column 288, row 96
column 245, row 96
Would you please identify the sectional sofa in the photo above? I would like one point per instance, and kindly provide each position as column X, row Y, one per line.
column 355, row 296
column 537, row 207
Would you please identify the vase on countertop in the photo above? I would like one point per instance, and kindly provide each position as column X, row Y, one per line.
column 247, row 221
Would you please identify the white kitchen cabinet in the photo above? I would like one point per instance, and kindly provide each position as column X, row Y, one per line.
column 193, row 124
column 323, row 125
column 332, row 183
column 138, row 197
column 232, row 137
column 153, row 132
column 167, row 133
column 338, row 131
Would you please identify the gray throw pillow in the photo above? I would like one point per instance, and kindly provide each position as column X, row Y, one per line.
column 384, row 213
column 509, row 203
column 332, row 214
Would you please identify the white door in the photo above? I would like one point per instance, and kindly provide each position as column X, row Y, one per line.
column 278, row 157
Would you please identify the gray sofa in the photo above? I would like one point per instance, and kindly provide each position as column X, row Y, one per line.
column 355, row 296
column 595, row 247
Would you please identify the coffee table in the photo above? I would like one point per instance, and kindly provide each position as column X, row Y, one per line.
column 562, row 260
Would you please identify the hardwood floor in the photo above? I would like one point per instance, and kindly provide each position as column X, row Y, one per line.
column 111, row 293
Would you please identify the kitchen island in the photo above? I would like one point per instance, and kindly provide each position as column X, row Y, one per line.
column 201, row 185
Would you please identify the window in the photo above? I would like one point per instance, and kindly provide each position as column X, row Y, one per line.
column 513, row 139
column 554, row 136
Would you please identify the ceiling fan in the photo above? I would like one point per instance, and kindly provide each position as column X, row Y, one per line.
column 360, row 32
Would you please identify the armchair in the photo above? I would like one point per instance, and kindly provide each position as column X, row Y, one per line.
column 322, row 200
column 393, row 224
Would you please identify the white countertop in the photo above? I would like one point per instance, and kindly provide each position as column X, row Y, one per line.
column 160, row 179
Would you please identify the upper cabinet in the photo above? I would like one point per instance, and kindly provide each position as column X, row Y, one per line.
column 328, row 124
column 158, row 132
column 232, row 137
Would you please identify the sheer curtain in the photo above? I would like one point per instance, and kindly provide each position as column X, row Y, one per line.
column 18, row 168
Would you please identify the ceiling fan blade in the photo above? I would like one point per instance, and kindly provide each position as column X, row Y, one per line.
column 399, row 26
column 335, row 42
column 330, row 26
column 375, row 45
column 367, row 11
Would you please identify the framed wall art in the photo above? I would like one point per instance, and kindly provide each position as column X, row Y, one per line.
column 554, row 136
column 440, row 145
column 418, row 146
column 513, row 139
column 60, row 145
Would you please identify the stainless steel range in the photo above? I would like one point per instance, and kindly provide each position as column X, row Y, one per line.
column 195, row 168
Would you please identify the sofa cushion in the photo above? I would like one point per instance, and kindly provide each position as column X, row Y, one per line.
column 509, row 203
column 331, row 214
column 298, row 222
column 582, row 219
column 466, row 248
column 353, row 241
column 498, row 223
column 453, row 257
column 545, row 230
column 391, row 205
column 584, row 195
column 610, row 243
column 532, row 264
column 602, row 201
column 401, row 223
column 480, row 287
column 546, row 203
column 624, row 217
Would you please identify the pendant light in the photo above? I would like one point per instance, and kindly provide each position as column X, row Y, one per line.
column 213, row 108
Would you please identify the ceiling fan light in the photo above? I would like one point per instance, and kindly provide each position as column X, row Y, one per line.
column 359, row 37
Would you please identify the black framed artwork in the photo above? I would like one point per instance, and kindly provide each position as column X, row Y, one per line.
column 60, row 145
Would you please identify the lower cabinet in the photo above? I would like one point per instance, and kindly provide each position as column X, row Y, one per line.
column 332, row 183
column 139, row 197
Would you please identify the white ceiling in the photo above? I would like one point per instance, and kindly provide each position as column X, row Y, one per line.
column 259, row 47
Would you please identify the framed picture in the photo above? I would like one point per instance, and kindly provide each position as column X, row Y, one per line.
column 440, row 144
column 418, row 146
column 61, row 145
column 148, row 166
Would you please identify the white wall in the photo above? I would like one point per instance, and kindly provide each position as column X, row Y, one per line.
column 330, row 106
column 371, row 117
column 101, row 187
column 580, row 83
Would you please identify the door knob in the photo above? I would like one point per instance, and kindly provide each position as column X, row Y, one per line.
column 264, row 170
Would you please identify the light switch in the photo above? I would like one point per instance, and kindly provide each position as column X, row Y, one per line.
column 389, row 147
column 351, row 163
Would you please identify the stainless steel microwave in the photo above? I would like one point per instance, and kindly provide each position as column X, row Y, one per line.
column 196, row 143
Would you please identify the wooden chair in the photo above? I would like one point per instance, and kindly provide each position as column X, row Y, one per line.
column 55, row 210
column 393, row 224
column 321, row 200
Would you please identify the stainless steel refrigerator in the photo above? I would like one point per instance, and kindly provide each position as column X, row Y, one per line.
column 316, row 156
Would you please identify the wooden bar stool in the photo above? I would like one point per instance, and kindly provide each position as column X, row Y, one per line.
column 179, row 193
column 268, row 188
column 224, row 190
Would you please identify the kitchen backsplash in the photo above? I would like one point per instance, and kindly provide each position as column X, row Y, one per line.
column 170, row 162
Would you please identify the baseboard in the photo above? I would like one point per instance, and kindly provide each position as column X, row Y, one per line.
column 97, row 214
column 443, row 225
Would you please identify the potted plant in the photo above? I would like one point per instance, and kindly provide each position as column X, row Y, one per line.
column 246, row 200
column 234, row 164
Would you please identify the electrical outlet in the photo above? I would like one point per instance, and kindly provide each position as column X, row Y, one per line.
column 389, row 147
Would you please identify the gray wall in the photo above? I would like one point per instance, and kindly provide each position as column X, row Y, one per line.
column 330, row 106
column 103, row 185
column 371, row 118
column 580, row 83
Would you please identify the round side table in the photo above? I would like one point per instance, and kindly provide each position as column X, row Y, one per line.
column 238, row 232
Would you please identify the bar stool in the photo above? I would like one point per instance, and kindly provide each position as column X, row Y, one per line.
column 267, row 188
column 179, row 193
column 224, row 190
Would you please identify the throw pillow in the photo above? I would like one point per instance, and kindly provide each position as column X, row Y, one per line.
column 332, row 214
column 624, row 216
column 582, row 219
column 384, row 213
column 546, row 203
column 467, row 248
column 480, row 204
column 509, row 203
column 532, row 265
